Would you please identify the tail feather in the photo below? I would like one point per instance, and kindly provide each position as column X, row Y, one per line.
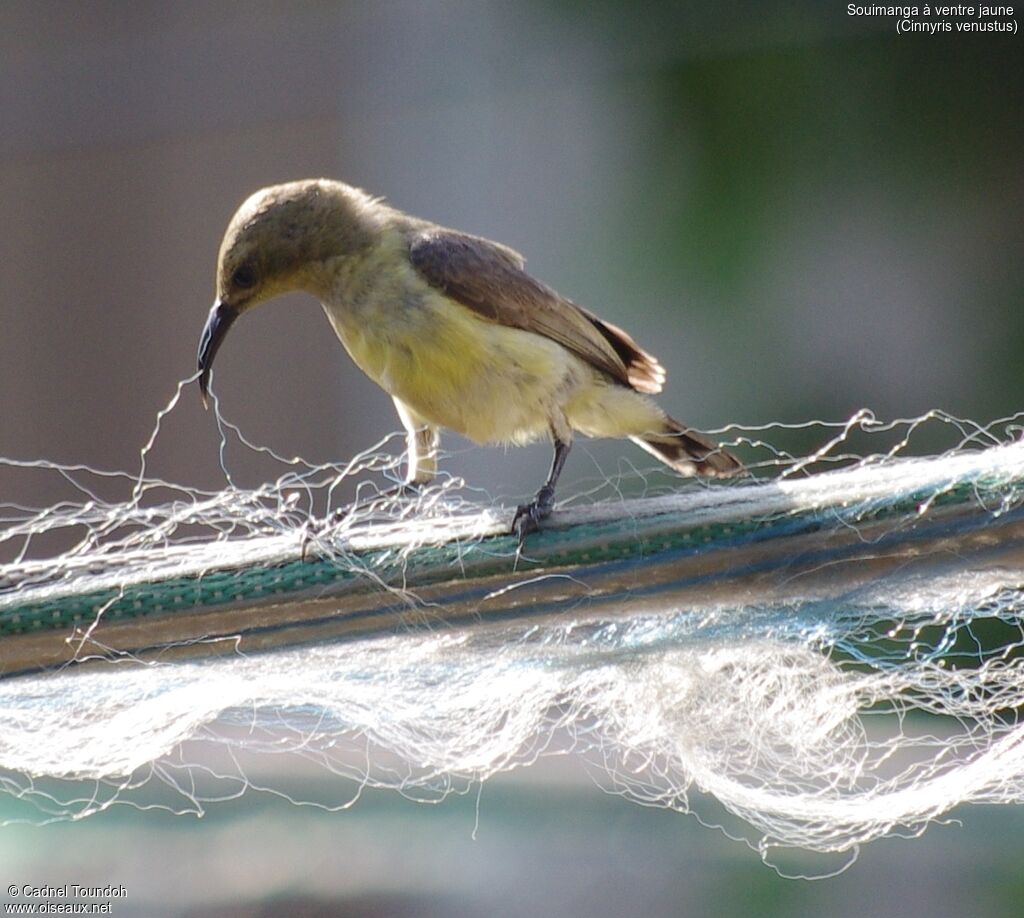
column 690, row 452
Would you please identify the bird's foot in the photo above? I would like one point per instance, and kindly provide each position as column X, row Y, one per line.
column 529, row 516
column 398, row 492
column 315, row 528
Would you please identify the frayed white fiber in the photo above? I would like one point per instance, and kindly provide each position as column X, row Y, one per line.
column 839, row 701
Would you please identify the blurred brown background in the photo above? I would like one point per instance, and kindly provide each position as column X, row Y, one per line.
column 800, row 212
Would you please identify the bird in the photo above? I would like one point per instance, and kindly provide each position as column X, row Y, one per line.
column 453, row 328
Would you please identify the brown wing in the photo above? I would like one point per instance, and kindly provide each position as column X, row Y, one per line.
column 490, row 279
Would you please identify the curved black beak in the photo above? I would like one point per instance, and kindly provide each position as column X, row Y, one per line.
column 217, row 324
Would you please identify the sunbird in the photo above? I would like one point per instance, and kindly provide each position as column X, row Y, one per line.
column 453, row 328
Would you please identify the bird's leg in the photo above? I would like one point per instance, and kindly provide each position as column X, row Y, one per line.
column 529, row 516
column 421, row 443
column 398, row 492
column 315, row 527
column 421, row 460
column 421, row 456
column 421, row 469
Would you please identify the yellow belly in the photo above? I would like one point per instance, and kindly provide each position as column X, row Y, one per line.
column 488, row 382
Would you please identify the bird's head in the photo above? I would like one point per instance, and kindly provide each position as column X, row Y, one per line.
column 284, row 238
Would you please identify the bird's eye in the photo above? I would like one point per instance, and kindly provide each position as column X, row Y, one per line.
column 244, row 277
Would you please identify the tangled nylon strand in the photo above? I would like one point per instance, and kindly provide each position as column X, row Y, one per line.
column 821, row 718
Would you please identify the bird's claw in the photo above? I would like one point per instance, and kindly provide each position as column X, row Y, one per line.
column 529, row 516
column 316, row 527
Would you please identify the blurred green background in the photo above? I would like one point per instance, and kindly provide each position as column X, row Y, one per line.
column 801, row 212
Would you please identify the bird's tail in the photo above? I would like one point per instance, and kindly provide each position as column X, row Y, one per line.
column 689, row 452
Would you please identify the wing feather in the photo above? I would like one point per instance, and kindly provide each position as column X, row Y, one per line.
column 491, row 279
